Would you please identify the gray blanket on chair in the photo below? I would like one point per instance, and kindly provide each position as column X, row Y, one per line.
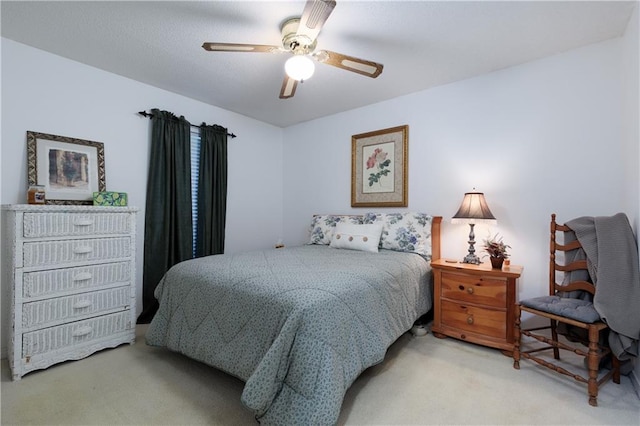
column 612, row 259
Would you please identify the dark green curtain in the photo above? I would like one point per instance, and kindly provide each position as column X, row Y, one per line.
column 168, row 225
column 212, row 191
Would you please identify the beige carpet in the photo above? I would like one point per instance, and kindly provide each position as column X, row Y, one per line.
column 423, row 380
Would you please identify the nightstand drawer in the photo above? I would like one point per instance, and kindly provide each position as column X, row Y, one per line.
column 486, row 322
column 474, row 289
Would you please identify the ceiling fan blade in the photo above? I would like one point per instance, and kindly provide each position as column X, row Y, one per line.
column 288, row 88
column 238, row 47
column 349, row 63
column 315, row 14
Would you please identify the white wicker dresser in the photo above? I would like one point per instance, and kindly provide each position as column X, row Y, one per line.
column 71, row 275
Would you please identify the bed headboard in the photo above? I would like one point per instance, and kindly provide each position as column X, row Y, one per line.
column 435, row 238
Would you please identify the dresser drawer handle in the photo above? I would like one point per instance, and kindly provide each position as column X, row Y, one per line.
column 82, row 249
column 83, row 222
column 82, row 276
column 81, row 304
column 82, row 331
column 469, row 320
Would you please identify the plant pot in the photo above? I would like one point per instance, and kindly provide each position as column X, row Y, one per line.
column 496, row 262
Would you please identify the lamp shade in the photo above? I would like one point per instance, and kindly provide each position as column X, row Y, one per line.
column 299, row 67
column 474, row 208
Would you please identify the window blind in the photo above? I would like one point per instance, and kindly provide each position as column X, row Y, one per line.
column 195, row 173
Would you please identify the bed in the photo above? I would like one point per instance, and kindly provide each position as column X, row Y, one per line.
column 299, row 324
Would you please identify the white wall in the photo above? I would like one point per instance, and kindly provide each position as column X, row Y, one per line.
column 631, row 100
column 631, row 129
column 555, row 135
column 49, row 94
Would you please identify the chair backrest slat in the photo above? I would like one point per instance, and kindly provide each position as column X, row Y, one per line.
column 576, row 285
column 569, row 246
column 556, row 269
column 578, row 265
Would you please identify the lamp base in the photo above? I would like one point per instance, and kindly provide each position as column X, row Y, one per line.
column 471, row 258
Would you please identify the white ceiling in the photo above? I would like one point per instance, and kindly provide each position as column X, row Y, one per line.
column 422, row 44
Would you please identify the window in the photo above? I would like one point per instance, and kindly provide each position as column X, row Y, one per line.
column 195, row 173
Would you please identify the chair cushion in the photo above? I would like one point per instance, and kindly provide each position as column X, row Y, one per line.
column 577, row 309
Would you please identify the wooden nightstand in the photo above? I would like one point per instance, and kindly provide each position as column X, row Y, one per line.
column 475, row 302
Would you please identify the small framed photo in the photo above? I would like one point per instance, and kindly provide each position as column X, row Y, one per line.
column 70, row 169
column 379, row 163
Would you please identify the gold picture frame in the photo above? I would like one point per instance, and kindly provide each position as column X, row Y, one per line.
column 379, row 168
column 70, row 169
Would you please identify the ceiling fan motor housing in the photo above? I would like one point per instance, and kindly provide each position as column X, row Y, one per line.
column 292, row 41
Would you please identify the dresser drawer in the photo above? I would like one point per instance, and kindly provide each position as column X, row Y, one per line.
column 67, row 335
column 37, row 225
column 474, row 289
column 482, row 321
column 57, row 253
column 56, row 281
column 71, row 308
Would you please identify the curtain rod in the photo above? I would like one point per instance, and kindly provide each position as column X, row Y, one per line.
column 146, row 114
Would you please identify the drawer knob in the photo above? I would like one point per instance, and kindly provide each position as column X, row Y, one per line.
column 470, row 290
column 82, row 250
column 469, row 320
column 82, row 331
column 83, row 276
column 81, row 304
column 83, row 222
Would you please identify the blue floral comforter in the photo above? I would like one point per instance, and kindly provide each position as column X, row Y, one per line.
column 297, row 325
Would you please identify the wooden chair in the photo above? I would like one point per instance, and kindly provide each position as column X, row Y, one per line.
column 570, row 311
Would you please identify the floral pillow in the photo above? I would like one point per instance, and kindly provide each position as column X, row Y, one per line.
column 404, row 231
column 322, row 226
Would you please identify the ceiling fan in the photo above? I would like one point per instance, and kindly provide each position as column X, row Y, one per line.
column 299, row 36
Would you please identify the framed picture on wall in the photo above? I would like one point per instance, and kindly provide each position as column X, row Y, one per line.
column 379, row 163
column 69, row 169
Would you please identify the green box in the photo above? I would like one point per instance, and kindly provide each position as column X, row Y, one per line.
column 110, row 199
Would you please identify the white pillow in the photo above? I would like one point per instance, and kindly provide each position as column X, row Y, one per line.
column 357, row 237
column 322, row 226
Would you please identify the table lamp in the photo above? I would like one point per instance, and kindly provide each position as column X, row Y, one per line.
column 474, row 209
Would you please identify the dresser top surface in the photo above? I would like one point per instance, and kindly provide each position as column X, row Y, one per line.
column 481, row 269
column 51, row 208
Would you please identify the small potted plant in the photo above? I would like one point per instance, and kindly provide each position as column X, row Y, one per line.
column 496, row 249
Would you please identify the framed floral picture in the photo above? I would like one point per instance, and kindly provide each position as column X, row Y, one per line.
column 70, row 170
column 379, row 162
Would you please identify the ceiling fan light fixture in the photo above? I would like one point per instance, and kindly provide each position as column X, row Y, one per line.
column 299, row 39
column 299, row 67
